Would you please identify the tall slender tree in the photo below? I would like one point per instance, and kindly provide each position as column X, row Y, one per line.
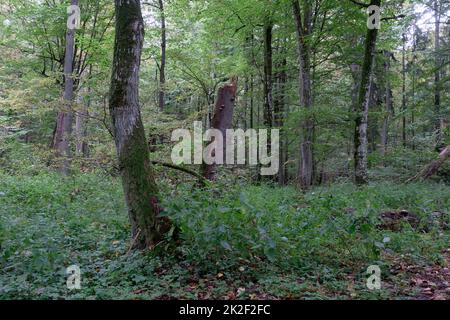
column 303, row 30
column 361, row 120
column 437, row 72
column 63, row 131
column 162, row 71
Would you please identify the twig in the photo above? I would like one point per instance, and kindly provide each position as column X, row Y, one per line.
column 134, row 241
column 201, row 179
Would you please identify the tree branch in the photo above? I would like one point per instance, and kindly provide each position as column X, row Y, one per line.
column 201, row 179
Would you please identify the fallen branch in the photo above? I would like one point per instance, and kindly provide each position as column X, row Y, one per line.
column 433, row 167
column 201, row 179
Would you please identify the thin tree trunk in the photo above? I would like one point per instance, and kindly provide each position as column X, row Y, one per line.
column 361, row 121
column 141, row 192
column 307, row 132
column 81, row 126
column 268, row 82
column 81, row 121
column 413, row 87
column 162, row 73
column 388, row 104
column 404, row 91
column 63, row 131
column 252, row 102
column 437, row 73
column 279, row 111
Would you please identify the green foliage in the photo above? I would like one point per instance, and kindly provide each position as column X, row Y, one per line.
column 274, row 240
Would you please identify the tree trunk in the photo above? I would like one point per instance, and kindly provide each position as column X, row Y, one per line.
column 388, row 104
column 222, row 119
column 361, row 121
column 268, row 82
column 279, row 111
column 413, row 87
column 307, row 131
column 141, row 192
column 63, row 131
column 81, row 126
column 437, row 73
column 404, row 91
column 162, row 72
column 81, row 121
column 433, row 167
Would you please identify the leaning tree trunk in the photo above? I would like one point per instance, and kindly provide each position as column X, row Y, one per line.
column 222, row 119
column 307, row 132
column 63, row 131
column 361, row 121
column 141, row 192
column 433, row 167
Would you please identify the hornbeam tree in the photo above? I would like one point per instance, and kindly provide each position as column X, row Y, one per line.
column 140, row 188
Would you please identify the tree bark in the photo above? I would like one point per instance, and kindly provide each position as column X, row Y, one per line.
column 279, row 112
column 303, row 29
column 437, row 73
column 221, row 120
column 81, row 121
column 81, row 126
column 361, row 121
column 140, row 188
column 63, row 131
column 388, row 104
column 162, row 71
column 404, row 90
column 433, row 167
column 268, row 82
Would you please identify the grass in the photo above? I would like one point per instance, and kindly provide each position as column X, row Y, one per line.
column 245, row 242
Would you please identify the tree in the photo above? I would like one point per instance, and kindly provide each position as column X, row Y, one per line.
column 63, row 131
column 303, row 30
column 361, row 121
column 222, row 118
column 437, row 72
column 140, row 188
column 162, row 68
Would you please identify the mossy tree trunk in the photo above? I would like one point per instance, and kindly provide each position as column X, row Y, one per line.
column 141, row 192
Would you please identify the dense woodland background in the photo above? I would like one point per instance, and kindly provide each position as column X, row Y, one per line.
column 365, row 136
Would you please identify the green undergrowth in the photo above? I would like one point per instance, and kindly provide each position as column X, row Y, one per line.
column 235, row 242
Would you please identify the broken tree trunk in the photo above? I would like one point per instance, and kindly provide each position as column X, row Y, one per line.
column 433, row 167
column 222, row 118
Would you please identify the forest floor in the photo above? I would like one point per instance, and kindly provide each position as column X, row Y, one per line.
column 251, row 242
